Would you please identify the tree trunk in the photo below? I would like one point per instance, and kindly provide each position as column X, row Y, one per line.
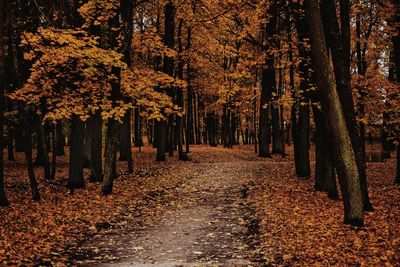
column 60, row 139
column 125, row 141
column 3, row 198
column 397, row 181
column 276, row 128
column 54, row 153
column 75, row 179
column 339, row 42
column 334, row 118
column 303, row 125
column 29, row 164
column 42, row 148
column 96, row 148
column 110, row 152
column 325, row 178
column 179, row 95
column 19, row 142
column 396, row 48
column 360, row 152
column 189, row 115
column 267, row 79
column 303, row 138
column 168, row 68
column 87, row 143
column 10, row 143
column 138, row 128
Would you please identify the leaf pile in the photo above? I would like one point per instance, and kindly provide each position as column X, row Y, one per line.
column 33, row 233
column 302, row 227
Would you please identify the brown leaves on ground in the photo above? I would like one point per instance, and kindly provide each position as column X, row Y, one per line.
column 303, row 227
column 37, row 232
column 298, row 225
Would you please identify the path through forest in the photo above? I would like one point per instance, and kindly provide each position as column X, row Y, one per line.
column 205, row 220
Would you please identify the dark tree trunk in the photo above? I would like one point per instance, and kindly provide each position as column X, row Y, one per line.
column 303, row 142
column 126, row 8
column 60, row 139
column 360, row 143
column 96, row 149
column 138, row 128
column 276, row 127
column 268, row 85
column 197, row 118
column 334, row 118
column 267, row 82
column 396, row 46
column 171, row 135
column 75, row 179
column 42, row 158
column 303, row 125
column 294, row 131
column 19, row 142
column 179, row 95
column 128, row 139
column 10, row 143
column 3, row 198
column 339, row 42
column 29, row 163
column 124, row 135
column 110, row 153
column 255, row 121
column 54, row 153
column 87, row 144
column 397, row 181
column 212, row 129
column 189, row 116
column 161, row 127
column 168, row 68
column 325, row 178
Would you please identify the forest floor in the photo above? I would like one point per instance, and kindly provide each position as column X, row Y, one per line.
column 226, row 207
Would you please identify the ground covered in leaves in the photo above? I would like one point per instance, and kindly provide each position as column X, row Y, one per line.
column 301, row 227
column 226, row 207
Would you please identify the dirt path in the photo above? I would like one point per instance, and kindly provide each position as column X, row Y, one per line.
column 204, row 221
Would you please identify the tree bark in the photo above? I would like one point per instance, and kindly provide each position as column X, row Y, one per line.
column 396, row 46
column 397, row 180
column 179, row 94
column 168, row 68
column 29, row 163
column 339, row 42
column 126, row 7
column 60, row 139
column 3, row 197
column 325, row 178
column 42, row 148
column 267, row 81
column 10, row 143
column 334, row 118
column 303, row 124
column 87, row 143
column 138, row 128
column 110, row 153
column 75, row 178
column 96, row 174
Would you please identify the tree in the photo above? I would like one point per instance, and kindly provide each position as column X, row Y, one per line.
column 268, row 84
column 338, row 40
column 334, row 118
column 303, row 125
column 3, row 198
